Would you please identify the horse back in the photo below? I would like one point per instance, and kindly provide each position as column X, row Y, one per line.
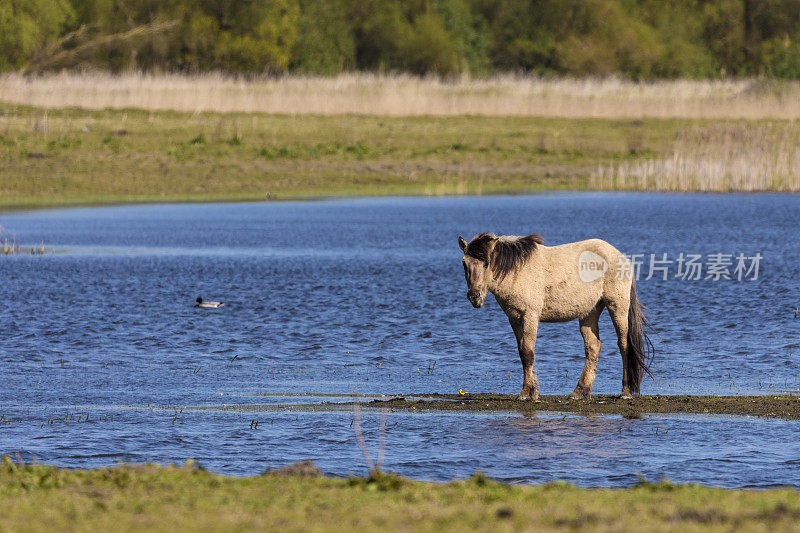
column 567, row 281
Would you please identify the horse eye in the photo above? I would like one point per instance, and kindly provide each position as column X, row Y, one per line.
column 486, row 264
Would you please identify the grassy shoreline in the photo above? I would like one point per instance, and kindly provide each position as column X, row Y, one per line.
column 169, row 498
column 63, row 157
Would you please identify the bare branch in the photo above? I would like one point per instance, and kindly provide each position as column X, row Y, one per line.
column 60, row 58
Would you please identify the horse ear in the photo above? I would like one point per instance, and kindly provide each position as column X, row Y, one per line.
column 462, row 243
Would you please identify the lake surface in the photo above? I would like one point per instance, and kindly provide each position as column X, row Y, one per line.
column 324, row 297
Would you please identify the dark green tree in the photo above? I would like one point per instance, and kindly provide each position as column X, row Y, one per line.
column 325, row 43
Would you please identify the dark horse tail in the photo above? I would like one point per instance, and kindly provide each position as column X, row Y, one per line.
column 640, row 351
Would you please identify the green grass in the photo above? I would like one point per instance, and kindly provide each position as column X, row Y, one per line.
column 75, row 156
column 72, row 156
column 154, row 498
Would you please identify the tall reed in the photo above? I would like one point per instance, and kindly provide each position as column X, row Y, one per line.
column 403, row 95
column 720, row 157
column 9, row 246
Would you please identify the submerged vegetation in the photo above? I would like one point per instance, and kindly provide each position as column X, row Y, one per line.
column 52, row 157
column 168, row 498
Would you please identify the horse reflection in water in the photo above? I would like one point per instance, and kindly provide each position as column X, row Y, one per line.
column 551, row 435
column 536, row 283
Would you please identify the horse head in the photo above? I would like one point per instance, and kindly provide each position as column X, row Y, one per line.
column 476, row 266
column 488, row 259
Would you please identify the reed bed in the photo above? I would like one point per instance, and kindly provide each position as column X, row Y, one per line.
column 403, row 95
column 720, row 157
column 9, row 246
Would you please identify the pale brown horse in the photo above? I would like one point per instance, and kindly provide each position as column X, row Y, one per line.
column 535, row 283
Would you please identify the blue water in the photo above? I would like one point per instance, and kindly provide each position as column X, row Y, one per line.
column 322, row 297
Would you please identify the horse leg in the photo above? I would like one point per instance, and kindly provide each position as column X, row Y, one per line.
column 619, row 316
column 592, row 346
column 525, row 330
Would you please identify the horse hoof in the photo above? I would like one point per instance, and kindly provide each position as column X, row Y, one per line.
column 577, row 395
column 525, row 396
column 626, row 396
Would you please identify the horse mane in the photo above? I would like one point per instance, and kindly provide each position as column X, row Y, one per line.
column 508, row 253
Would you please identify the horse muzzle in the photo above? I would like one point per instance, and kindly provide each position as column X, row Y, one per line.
column 475, row 298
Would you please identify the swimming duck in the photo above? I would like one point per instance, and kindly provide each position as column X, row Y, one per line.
column 208, row 305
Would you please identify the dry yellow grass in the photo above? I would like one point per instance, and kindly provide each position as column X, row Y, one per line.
column 720, row 157
column 399, row 95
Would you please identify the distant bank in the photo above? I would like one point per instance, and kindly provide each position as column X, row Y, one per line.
column 355, row 139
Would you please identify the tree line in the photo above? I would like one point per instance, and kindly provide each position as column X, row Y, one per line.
column 638, row 39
